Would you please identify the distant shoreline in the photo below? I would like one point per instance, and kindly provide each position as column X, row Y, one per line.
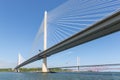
column 33, row 70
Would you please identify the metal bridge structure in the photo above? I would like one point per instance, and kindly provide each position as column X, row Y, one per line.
column 102, row 28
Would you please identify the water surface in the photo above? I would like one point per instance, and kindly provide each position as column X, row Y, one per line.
column 60, row 76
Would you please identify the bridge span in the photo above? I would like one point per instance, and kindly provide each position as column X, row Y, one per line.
column 99, row 65
column 102, row 28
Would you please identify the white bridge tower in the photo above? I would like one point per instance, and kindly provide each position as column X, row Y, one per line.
column 44, row 64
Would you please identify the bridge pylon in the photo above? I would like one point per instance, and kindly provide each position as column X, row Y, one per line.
column 44, row 64
column 18, row 63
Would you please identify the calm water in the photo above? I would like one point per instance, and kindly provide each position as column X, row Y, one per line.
column 59, row 76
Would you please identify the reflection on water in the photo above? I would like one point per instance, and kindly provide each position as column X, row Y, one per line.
column 60, row 76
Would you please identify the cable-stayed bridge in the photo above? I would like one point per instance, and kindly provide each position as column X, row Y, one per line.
column 103, row 27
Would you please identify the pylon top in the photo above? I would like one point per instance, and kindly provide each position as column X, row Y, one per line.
column 45, row 12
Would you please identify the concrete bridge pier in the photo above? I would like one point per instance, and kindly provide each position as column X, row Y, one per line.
column 44, row 65
column 78, row 63
column 16, row 70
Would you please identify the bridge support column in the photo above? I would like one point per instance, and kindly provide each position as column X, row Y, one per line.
column 44, row 65
column 78, row 63
column 17, row 70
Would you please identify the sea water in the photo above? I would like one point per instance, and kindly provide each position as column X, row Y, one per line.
column 60, row 76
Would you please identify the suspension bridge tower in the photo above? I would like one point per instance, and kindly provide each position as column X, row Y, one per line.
column 44, row 64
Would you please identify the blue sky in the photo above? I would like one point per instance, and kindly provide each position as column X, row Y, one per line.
column 19, row 23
